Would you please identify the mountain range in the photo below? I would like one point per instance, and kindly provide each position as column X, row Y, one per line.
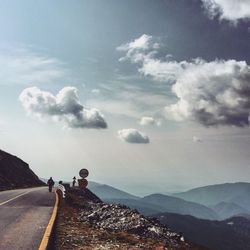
column 216, row 202
column 216, row 217
column 237, row 193
column 230, row 234
column 106, row 192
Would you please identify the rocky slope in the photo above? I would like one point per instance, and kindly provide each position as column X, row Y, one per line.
column 85, row 222
column 15, row 173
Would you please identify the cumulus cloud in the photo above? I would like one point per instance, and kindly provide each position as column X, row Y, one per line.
column 212, row 93
column 139, row 50
column 65, row 106
column 132, row 135
column 231, row 10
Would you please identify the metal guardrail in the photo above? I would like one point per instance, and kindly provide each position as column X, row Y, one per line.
column 62, row 189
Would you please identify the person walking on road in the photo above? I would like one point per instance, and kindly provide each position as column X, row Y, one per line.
column 74, row 181
column 51, row 183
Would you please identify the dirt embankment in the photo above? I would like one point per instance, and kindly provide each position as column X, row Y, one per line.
column 85, row 222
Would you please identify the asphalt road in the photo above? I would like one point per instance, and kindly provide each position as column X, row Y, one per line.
column 24, row 216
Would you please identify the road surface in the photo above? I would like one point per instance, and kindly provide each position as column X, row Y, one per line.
column 24, row 216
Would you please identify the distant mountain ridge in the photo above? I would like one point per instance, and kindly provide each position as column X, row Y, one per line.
column 224, row 200
column 229, row 193
column 15, row 173
column 157, row 203
column 212, row 194
column 180, row 206
column 106, row 192
column 226, row 210
column 230, row 234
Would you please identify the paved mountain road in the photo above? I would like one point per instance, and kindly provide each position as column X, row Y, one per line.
column 24, row 216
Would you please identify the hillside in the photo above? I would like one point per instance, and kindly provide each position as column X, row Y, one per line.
column 15, row 173
column 238, row 193
column 228, row 209
column 230, row 234
column 106, row 192
column 85, row 222
column 157, row 203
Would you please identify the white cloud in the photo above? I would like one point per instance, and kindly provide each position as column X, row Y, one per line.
column 147, row 120
column 231, row 10
column 197, row 139
column 138, row 50
column 212, row 93
column 149, row 65
column 95, row 91
column 23, row 66
column 132, row 135
column 141, row 43
column 65, row 106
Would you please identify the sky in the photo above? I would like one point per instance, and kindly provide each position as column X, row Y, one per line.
column 149, row 96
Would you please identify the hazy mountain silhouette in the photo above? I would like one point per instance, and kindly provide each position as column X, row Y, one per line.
column 157, row 203
column 180, row 206
column 106, row 192
column 228, row 209
column 230, row 193
column 230, row 234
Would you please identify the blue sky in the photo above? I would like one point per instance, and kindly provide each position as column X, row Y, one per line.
column 150, row 96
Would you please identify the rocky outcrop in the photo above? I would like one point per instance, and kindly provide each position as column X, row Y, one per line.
column 85, row 222
column 115, row 217
column 15, row 173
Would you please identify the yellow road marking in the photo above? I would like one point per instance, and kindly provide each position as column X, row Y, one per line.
column 16, row 197
column 45, row 240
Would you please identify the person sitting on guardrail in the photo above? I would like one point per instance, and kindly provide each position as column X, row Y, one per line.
column 51, row 183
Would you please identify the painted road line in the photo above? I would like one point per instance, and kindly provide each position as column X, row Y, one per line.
column 45, row 240
column 16, row 197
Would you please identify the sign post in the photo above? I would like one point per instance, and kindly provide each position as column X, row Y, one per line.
column 83, row 183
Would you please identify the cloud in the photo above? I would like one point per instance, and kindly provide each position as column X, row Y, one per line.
column 65, row 106
column 95, row 91
column 197, row 139
column 232, row 10
column 147, row 120
column 144, row 42
column 211, row 93
column 132, row 135
column 149, row 65
column 21, row 65
column 139, row 49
